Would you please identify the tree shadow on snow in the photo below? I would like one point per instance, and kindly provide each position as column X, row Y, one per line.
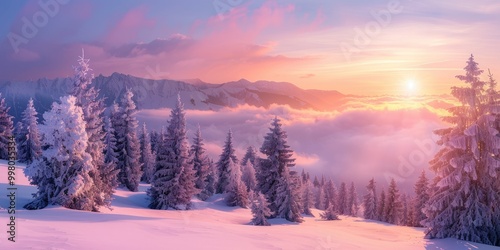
column 450, row 243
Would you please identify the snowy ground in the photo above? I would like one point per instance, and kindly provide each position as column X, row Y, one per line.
column 211, row 225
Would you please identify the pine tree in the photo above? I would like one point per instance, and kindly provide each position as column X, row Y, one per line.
column 147, row 158
column 370, row 201
column 421, row 197
column 250, row 155
column 174, row 180
column 155, row 139
column 28, row 142
column 211, row 182
column 342, row 202
column 320, row 197
column 260, row 210
column 381, row 207
column 352, row 201
column 330, row 195
column 393, row 204
column 6, row 129
column 109, row 144
column 316, row 182
column 127, row 144
column 62, row 174
column 201, row 164
column 330, row 214
column 87, row 97
column 223, row 168
column 307, row 197
column 236, row 191
column 466, row 193
column 275, row 179
column 403, row 217
column 248, row 176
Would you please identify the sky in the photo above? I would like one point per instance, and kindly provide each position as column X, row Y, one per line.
column 361, row 47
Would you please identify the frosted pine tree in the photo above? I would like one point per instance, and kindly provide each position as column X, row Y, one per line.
column 211, row 181
column 6, row 129
column 260, row 210
column 62, row 174
column 381, row 207
column 466, row 192
column 342, row 199
column 421, row 197
column 330, row 214
column 250, row 155
column 370, row 201
column 147, row 158
column 87, row 97
column 331, row 195
column 403, row 217
column 307, row 197
column 236, row 192
column 248, row 176
column 223, row 168
column 352, row 201
column 275, row 180
column 201, row 164
column 173, row 183
column 28, row 142
column 393, row 206
column 109, row 143
column 127, row 143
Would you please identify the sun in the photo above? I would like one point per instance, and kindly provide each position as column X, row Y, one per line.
column 411, row 86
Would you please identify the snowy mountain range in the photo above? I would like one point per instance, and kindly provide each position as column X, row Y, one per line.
column 154, row 94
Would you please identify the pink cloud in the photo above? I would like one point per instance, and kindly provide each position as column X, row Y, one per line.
column 129, row 26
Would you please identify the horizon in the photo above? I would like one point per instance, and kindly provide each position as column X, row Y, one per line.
column 360, row 48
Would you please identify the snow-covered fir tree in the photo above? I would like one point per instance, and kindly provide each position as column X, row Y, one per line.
column 6, row 129
column 381, row 207
column 174, row 180
column 211, row 181
column 466, row 195
column 320, row 196
column 127, row 143
column 370, row 201
column 331, row 194
column 307, row 197
column 62, row 174
column 421, row 197
column 201, row 164
column 223, row 168
column 109, row 143
column 147, row 158
column 260, row 210
column 250, row 155
column 28, row 136
column 403, row 217
column 352, row 201
column 155, row 139
column 236, row 192
column 87, row 97
column 342, row 199
column 248, row 176
column 280, row 186
column 330, row 214
column 393, row 206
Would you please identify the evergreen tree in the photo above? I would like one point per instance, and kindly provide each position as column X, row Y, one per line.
column 342, row 202
column 276, row 182
column 250, row 155
column 352, row 201
column 248, row 176
column 331, row 195
column 127, row 143
column 211, row 182
column 370, row 201
column 109, row 144
column 87, row 97
column 236, row 191
column 28, row 142
column 147, row 158
column 466, row 193
column 381, row 207
column 403, row 217
column 6, row 129
column 62, row 174
column 316, row 182
column 260, row 210
column 223, row 167
column 201, row 164
column 393, row 204
column 307, row 197
column 155, row 139
column 330, row 214
column 320, row 197
column 421, row 197
column 174, row 180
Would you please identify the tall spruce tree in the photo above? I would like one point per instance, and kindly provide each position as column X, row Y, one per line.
column 248, row 176
column 393, row 206
column 147, row 158
column 466, row 193
column 6, row 129
column 260, row 210
column 352, row 201
column 370, row 201
column 28, row 136
column 127, row 143
column 343, row 199
column 201, row 164
column 223, row 168
column 421, row 197
column 236, row 191
column 381, row 207
column 173, row 183
column 276, row 181
column 62, row 174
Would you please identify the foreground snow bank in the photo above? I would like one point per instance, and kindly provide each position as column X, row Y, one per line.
column 210, row 225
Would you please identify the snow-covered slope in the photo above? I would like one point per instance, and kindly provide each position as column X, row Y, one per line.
column 211, row 225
